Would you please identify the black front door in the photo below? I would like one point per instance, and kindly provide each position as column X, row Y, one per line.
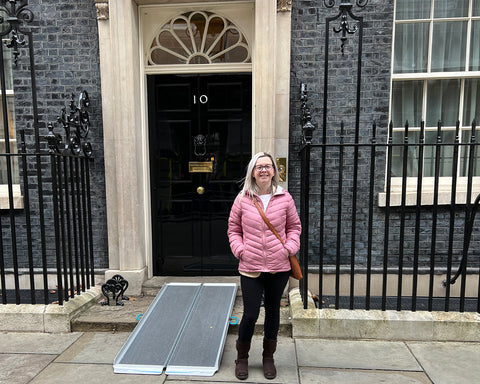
column 200, row 145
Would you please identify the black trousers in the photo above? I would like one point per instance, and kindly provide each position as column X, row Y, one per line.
column 272, row 286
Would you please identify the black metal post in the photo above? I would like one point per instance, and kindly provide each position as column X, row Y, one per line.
column 387, row 215
column 402, row 218
column 68, row 176
column 56, row 213
column 74, row 223
column 434, row 215
column 86, row 241
column 79, row 224
column 28, row 223
column 339, row 216
column 370, row 215
column 307, row 136
column 89, row 213
column 355, row 157
column 451, row 232
column 418, row 210
column 62, row 213
column 344, row 28
column 305, row 213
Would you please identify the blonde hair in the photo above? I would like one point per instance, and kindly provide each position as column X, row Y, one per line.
column 250, row 187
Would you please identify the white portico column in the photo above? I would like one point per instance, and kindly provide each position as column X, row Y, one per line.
column 263, row 59
column 282, row 80
column 123, row 141
column 271, row 77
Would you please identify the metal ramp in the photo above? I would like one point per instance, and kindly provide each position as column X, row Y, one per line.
column 183, row 330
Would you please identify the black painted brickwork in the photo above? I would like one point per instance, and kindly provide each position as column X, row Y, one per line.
column 307, row 66
column 66, row 55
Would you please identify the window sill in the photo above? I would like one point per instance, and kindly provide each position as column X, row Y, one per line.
column 5, row 200
column 427, row 198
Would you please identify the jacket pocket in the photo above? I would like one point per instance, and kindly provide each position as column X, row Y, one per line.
column 249, row 259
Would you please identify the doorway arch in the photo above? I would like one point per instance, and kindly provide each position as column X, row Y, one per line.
column 125, row 119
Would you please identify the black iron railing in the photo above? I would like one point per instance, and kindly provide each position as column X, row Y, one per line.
column 379, row 231
column 367, row 215
column 65, row 252
column 45, row 202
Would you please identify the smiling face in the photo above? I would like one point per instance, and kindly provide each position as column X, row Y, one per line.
column 263, row 173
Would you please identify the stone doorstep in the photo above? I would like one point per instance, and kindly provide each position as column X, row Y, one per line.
column 51, row 318
column 380, row 325
column 124, row 318
column 152, row 286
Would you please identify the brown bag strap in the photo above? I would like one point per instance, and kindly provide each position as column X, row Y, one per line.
column 260, row 210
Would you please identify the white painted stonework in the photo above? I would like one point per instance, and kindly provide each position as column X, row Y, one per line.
column 124, row 111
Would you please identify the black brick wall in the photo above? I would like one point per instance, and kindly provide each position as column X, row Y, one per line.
column 307, row 66
column 66, row 53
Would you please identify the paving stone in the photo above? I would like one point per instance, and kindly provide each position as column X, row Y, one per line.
column 95, row 348
column 21, row 368
column 284, row 361
column 447, row 363
column 38, row 343
column 355, row 355
column 330, row 376
column 62, row 373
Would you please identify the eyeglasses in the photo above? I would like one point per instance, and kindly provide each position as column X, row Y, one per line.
column 267, row 167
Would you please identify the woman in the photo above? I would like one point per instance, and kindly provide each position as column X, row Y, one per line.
column 263, row 260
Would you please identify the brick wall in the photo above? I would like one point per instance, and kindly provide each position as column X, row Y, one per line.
column 66, row 53
column 308, row 66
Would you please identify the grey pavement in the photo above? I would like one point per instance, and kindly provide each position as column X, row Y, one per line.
column 87, row 357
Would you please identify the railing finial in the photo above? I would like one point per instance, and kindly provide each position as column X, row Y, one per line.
column 344, row 27
column 76, row 124
column 14, row 14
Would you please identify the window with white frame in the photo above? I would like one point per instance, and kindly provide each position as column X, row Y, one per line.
column 435, row 77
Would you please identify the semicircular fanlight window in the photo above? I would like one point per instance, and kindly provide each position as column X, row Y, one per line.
column 199, row 37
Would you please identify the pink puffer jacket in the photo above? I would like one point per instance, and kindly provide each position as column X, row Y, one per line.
column 252, row 242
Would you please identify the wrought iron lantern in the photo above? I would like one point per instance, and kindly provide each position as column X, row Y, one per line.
column 307, row 126
column 307, row 131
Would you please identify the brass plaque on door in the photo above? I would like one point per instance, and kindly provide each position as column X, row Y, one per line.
column 282, row 168
column 200, row 166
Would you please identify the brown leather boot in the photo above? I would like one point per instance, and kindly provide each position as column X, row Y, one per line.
column 269, row 348
column 241, row 364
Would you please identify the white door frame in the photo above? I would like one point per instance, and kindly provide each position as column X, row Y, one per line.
column 124, row 122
